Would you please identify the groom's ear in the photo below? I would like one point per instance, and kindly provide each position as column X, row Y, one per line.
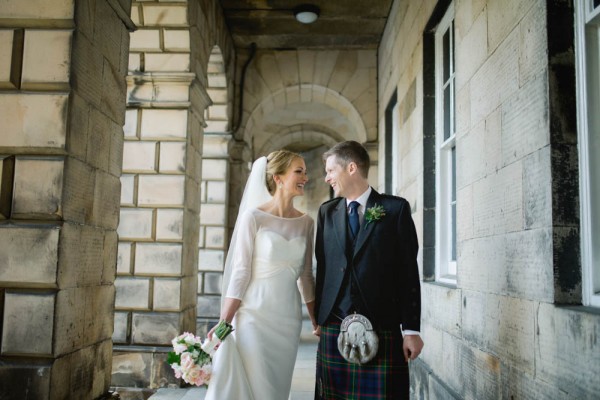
column 352, row 168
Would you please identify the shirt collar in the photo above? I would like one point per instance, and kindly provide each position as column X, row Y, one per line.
column 362, row 199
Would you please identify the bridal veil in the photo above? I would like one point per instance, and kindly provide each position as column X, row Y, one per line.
column 255, row 194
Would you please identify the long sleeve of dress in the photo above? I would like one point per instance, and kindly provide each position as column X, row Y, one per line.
column 241, row 264
column 306, row 282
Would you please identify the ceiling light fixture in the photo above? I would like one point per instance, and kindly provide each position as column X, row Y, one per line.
column 306, row 13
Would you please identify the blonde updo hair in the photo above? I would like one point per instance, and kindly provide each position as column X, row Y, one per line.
column 278, row 163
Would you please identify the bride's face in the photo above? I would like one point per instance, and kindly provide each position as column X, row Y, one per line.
column 294, row 178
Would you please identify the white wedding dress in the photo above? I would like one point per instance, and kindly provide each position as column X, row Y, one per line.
column 271, row 265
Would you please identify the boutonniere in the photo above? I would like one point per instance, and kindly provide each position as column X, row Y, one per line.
column 374, row 213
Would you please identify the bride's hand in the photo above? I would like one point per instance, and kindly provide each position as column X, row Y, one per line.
column 210, row 333
column 317, row 331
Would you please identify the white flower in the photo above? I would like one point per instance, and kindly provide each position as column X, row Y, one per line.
column 189, row 339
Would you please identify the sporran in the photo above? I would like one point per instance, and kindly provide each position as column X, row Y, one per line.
column 357, row 342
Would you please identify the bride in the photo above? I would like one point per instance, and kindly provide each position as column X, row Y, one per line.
column 269, row 259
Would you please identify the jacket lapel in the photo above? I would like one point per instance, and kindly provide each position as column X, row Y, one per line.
column 340, row 224
column 366, row 228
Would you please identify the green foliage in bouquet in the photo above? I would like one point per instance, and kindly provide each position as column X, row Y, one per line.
column 223, row 329
column 194, row 349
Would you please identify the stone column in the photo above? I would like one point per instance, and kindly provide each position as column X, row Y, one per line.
column 213, row 229
column 160, row 222
column 62, row 108
column 215, row 195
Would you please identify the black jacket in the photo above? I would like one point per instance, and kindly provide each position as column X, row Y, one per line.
column 385, row 262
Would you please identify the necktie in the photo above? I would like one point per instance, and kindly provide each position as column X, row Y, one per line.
column 353, row 218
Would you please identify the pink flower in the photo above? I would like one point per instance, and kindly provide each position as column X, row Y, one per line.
column 187, row 361
column 203, row 378
column 199, row 377
column 207, row 369
column 192, row 374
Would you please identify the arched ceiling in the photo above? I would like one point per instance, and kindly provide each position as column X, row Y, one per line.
column 331, row 116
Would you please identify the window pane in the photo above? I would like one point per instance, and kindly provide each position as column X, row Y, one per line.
column 594, row 199
column 453, row 238
column 453, row 202
column 447, row 127
column 391, row 122
column 453, row 107
column 593, row 132
column 588, row 57
column 446, row 53
column 451, row 45
column 453, row 166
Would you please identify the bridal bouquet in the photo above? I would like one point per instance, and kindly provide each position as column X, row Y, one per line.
column 192, row 358
column 189, row 361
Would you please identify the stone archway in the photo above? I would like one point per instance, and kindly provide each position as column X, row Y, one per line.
column 299, row 136
column 307, row 118
column 292, row 92
column 312, row 104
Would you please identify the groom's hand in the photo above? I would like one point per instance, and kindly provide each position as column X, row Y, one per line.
column 412, row 346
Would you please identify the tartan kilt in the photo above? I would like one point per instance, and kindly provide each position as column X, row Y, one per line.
column 384, row 377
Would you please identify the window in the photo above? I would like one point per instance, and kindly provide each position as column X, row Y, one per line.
column 392, row 115
column 588, row 103
column 445, row 149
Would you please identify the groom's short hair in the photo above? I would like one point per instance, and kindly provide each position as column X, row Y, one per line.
column 349, row 151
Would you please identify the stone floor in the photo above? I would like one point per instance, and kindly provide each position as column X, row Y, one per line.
column 303, row 380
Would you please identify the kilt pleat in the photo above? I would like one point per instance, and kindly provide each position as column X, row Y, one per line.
column 384, row 377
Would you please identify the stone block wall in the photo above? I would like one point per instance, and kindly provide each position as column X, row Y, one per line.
column 500, row 331
column 62, row 74
column 159, row 231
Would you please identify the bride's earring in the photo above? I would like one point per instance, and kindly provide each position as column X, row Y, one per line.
column 280, row 185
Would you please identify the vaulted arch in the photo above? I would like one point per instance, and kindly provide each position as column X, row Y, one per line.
column 325, row 110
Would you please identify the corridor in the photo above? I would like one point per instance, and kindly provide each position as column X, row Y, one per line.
column 128, row 132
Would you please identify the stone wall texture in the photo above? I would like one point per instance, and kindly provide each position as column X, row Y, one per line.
column 500, row 331
column 63, row 108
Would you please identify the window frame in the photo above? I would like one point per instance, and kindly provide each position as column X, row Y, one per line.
column 445, row 151
column 392, row 129
column 586, row 54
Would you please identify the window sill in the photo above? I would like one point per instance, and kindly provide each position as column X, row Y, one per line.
column 443, row 284
column 583, row 309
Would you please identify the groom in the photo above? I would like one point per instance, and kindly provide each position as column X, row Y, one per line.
column 373, row 234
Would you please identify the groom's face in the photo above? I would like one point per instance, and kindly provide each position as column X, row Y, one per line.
column 336, row 176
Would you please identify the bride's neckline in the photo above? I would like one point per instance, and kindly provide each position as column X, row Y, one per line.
column 276, row 216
